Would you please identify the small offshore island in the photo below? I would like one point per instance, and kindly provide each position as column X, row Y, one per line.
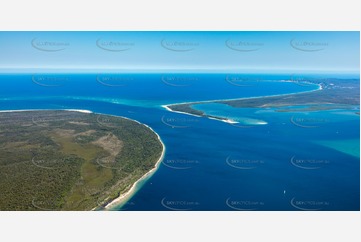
column 72, row 159
column 331, row 94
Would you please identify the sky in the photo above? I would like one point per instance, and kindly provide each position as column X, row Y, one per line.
column 195, row 51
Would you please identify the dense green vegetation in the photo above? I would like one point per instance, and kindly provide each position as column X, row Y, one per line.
column 64, row 160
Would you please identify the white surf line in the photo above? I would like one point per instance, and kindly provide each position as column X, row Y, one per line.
column 126, row 195
column 122, row 197
column 229, row 121
column 174, row 111
column 32, row 110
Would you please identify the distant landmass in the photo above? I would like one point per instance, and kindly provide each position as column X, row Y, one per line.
column 332, row 94
column 68, row 160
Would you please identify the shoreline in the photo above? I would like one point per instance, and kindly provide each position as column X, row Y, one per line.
column 227, row 120
column 27, row 110
column 230, row 121
column 147, row 175
column 129, row 193
column 170, row 110
column 118, row 200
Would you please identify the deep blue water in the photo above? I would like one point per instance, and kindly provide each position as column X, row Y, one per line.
column 212, row 165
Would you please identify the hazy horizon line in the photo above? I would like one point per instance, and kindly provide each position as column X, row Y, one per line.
column 182, row 71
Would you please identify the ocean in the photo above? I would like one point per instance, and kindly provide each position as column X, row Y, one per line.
column 268, row 161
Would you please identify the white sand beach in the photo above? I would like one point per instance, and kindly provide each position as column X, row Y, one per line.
column 170, row 110
column 122, row 197
column 146, row 176
column 27, row 110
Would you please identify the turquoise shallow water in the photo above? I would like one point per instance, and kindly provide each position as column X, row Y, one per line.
column 244, row 116
column 282, row 164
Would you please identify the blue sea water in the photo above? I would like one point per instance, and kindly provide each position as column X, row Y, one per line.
column 268, row 161
column 145, row 90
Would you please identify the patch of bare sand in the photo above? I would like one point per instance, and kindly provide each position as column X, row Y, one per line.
column 110, row 143
column 86, row 133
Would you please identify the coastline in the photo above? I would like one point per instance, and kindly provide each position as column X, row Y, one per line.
column 115, row 202
column 226, row 120
column 122, row 197
column 147, row 175
column 170, row 110
column 27, row 110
